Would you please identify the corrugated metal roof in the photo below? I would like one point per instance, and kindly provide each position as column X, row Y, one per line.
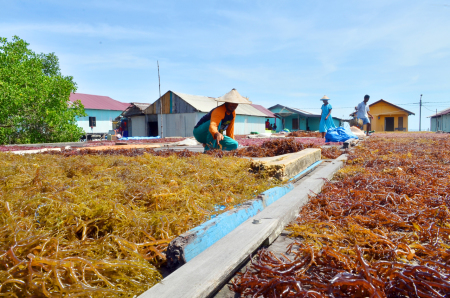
column 298, row 111
column 98, row 102
column 264, row 110
column 303, row 111
column 206, row 104
column 443, row 112
column 141, row 106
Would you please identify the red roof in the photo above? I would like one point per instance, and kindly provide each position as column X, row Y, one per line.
column 98, row 102
column 264, row 110
column 444, row 112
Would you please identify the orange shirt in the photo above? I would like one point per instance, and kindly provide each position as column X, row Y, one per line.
column 221, row 114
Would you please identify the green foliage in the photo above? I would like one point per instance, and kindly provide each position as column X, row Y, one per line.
column 34, row 97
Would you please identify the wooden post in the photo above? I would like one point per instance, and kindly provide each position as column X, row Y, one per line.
column 160, row 101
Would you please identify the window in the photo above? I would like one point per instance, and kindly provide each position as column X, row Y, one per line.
column 294, row 124
column 92, row 122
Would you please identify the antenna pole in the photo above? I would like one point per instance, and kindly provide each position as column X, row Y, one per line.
column 160, row 100
column 420, row 114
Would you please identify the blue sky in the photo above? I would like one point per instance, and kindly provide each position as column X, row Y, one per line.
column 286, row 52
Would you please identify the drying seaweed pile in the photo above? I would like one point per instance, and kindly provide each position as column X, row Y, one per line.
column 259, row 141
column 332, row 152
column 305, row 134
column 381, row 230
column 98, row 225
column 271, row 147
column 268, row 148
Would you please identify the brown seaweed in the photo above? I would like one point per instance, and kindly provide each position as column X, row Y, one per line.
column 98, row 225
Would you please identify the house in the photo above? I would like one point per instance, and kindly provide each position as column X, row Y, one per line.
column 181, row 112
column 297, row 119
column 135, row 121
column 101, row 112
column 440, row 121
column 269, row 115
column 388, row 117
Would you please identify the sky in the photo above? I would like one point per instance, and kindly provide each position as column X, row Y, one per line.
column 273, row 52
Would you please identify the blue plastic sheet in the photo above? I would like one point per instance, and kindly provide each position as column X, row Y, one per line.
column 139, row 138
column 339, row 134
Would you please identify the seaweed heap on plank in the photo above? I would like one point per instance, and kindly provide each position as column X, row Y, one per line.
column 266, row 148
column 305, row 134
column 98, row 225
column 382, row 229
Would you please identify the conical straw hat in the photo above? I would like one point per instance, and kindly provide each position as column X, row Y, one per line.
column 233, row 97
column 324, row 98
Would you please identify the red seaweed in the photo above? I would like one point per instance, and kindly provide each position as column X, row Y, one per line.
column 381, row 229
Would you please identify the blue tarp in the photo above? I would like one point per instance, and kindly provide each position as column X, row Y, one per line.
column 339, row 134
column 139, row 138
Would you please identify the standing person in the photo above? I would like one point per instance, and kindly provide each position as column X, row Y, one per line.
column 362, row 112
column 267, row 124
column 210, row 128
column 326, row 120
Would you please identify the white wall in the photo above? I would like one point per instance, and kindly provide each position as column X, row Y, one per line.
column 103, row 119
column 179, row 125
column 138, row 126
column 244, row 125
column 182, row 125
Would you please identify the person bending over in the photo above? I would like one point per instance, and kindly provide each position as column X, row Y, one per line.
column 209, row 131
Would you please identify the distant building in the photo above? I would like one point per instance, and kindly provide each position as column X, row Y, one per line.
column 135, row 120
column 388, row 117
column 181, row 112
column 269, row 115
column 101, row 111
column 440, row 121
column 295, row 119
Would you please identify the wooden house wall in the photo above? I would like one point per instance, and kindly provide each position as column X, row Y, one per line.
column 171, row 104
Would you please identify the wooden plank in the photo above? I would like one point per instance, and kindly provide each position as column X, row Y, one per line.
column 207, row 272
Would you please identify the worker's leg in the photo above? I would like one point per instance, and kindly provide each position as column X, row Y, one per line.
column 227, row 143
column 201, row 133
column 366, row 122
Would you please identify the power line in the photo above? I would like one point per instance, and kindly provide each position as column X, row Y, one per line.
column 428, row 109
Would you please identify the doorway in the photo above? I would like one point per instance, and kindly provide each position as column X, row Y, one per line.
column 294, row 124
column 153, row 129
column 389, row 123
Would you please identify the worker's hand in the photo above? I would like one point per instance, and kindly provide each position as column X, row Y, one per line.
column 326, row 118
column 218, row 136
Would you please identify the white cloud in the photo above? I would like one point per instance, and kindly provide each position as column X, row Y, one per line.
column 83, row 29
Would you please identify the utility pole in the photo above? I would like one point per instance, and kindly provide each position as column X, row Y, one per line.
column 160, row 101
column 420, row 114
